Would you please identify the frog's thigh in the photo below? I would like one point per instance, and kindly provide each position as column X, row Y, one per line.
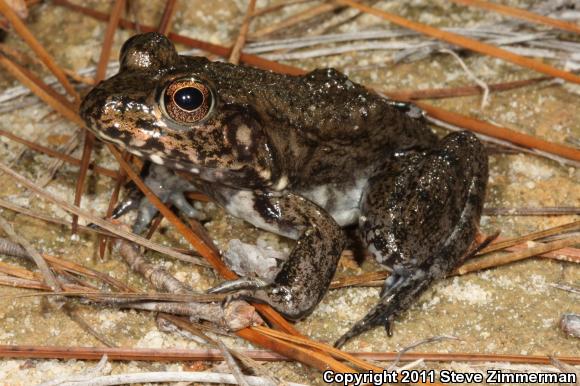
column 421, row 203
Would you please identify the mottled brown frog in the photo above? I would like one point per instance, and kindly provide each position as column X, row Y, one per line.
column 300, row 156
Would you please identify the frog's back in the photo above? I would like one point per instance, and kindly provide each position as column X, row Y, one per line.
column 323, row 104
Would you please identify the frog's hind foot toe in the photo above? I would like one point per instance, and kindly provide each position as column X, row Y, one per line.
column 399, row 292
column 376, row 317
column 241, row 284
column 394, row 280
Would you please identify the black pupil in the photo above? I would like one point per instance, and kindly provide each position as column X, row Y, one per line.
column 188, row 98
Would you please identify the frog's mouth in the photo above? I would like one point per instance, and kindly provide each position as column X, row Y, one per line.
column 242, row 176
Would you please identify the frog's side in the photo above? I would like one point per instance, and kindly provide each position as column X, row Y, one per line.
column 301, row 157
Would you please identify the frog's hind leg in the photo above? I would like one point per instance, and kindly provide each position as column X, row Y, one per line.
column 420, row 216
column 169, row 187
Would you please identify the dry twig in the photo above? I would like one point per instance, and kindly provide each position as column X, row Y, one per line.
column 100, row 75
column 470, row 44
column 295, row 19
column 521, row 13
column 98, row 221
column 48, row 275
column 242, row 35
column 560, row 229
column 44, row 56
column 496, row 260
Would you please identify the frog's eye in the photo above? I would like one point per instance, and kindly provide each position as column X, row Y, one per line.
column 187, row 100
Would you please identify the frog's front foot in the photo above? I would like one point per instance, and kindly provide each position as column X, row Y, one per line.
column 169, row 187
column 245, row 283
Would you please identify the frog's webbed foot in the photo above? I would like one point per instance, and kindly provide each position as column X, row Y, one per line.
column 420, row 216
column 169, row 187
column 304, row 278
column 396, row 297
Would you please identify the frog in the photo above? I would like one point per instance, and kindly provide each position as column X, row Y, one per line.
column 304, row 157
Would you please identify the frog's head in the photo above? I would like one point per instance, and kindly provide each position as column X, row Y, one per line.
column 160, row 106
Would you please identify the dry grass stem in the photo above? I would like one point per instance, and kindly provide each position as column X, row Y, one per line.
column 470, row 74
column 496, row 260
column 41, row 90
column 470, row 44
column 114, row 229
column 44, row 56
column 47, row 274
column 421, row 342
column 166, row 19
column 73, row 313
column 528, row 211
column 231, row 362
column 452, row 92
column 162, row 377
column 156, row 275
column 12, row 249
column 190, row 42
column 103, row 241
column 320, row 346
column 295, row 19
column 172, row 355
column 89, row 143
column 21, row 273
column 356, row 280
column 277, row 7
column 499, row 132
column 49, row 278
column 40, row 216
column 503, row 144
column 54, row 165
column 521, row 13
column 243, row 34
column 16, row 282
column 560, row 229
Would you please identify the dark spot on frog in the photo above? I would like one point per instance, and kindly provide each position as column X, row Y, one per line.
column 153, row 144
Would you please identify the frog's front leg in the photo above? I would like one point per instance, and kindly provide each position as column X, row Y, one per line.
column 168, row 186
column 305, row 277
column 420, row 217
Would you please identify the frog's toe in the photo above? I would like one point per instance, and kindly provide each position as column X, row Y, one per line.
column 379, row 315
column 397, row 297
column 178, row 200
column 145, row 215
column 246, row 283
column 147, row 211
column 394, row 280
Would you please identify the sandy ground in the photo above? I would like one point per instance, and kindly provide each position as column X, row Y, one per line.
column 508, row 310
